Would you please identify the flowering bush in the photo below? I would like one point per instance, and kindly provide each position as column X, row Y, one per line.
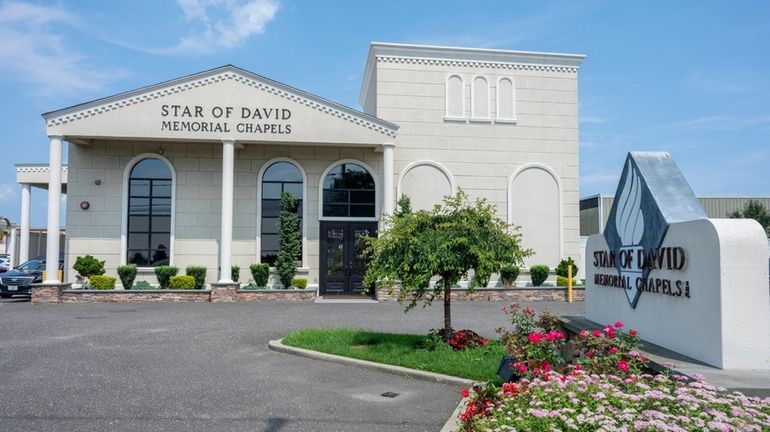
column 610, row 351
column 460, row 340
column 589, row 402
column 535, row 343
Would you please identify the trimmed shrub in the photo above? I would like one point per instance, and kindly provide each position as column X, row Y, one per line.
column 199, row 273
column 508, row 274
column 561, row 269
column 235, row 273
column 562, row 281
column 182, row 282
column 289, row 240
column 164, row 273
column 260, row 273
column 480, row 280
column 143, row 285
column 127, row 274
column 88, row 266
column 299, row 283
column 100, row 282
column 539, row 273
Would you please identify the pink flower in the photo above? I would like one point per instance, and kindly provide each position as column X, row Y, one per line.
column 583, row 333
column 622, row 365
column 632, row 332
column 522, row 368
column 618, row 324
column 596, row 333
column 535, row 337
column 613, row 350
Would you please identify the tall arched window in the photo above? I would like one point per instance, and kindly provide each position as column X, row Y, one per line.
column 278, row 178
column 150, row 187
column 349, row 191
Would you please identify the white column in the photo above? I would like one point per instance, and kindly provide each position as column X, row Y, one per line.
column 54, row 207
column 24, row 240
column 387, row 172
column 226, row 239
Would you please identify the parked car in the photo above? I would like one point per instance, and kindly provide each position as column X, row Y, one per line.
column 19, row 280
column 5, row 264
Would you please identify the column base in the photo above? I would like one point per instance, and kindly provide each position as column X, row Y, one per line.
column 43, row 293
column 224, row 292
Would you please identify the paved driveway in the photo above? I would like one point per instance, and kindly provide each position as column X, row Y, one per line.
column 205, row 367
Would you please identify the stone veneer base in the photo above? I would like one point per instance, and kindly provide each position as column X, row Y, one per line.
column 502, row 294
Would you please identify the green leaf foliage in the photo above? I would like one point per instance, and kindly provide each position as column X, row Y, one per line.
column 199, row 275
column 127, row 274
column 289, row 240
column 182, row 282
column 754, row 210
column 235, row 273
column 539, row 273
column 88, row 266
column 100, row 282
column 404, row 206
column 299, row 283
column 563, row 281
column 260, row 274
column 164, row 273
column 563, row 268
column 446, row 243
column 508, row 274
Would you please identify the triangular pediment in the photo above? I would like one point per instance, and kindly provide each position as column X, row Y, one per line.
column 221, row 103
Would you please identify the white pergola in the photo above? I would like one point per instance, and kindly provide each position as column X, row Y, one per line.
column 39, row 176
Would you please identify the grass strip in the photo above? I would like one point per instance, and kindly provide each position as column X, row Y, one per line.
column 405, row 350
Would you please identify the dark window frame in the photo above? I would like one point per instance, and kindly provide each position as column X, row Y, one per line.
column 349, row 203
column 150, row 213
column 270, row 259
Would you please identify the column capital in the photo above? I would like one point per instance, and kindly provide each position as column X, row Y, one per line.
column 389, row 144
column 56, row 137
column 228, row 141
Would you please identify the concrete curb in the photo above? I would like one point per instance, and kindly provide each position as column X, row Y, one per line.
column 278, row 346
column 453, row 424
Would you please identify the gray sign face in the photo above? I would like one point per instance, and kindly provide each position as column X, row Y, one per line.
column 652, row 193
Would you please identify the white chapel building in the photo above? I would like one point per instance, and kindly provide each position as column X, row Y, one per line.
column 189, row 171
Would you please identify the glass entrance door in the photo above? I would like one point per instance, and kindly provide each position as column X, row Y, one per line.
column 342, row 262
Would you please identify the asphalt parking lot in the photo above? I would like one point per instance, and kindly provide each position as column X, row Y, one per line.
column 206, row 367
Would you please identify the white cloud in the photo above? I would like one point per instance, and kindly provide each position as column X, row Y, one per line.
column 223, row 23
column 8, row 192
column 33, row 50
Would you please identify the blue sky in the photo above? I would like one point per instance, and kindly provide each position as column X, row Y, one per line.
column 688, row 77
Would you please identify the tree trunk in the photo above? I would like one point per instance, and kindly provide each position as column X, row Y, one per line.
column 447, row 310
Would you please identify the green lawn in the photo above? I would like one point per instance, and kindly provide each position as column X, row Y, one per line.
column 402, row 350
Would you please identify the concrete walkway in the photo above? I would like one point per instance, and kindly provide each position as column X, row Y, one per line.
column 190, row 367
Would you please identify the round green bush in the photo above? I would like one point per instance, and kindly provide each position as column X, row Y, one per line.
column 99, row 282
column 299, row 283
column 199, row 273
column 235, row 273
column 164, row 273
column 182, row 282
column 88, row 266
column 260, row 274
column 127, row 274
column 508, row 274
column 562, row 268
column 562, row 281
column 539, row 273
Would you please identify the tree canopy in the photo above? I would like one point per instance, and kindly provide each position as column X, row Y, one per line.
column 445, row 243
column 754, row 210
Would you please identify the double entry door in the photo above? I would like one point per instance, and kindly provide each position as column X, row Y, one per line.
column 343, row 266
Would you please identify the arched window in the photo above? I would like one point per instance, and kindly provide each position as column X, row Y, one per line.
column 349, row 191
column 278, row 178
column 506, row 100
column 480, row 98
column 150, row 191
column 455, row 98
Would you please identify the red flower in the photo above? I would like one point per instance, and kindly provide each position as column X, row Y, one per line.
column 618, row 324
column 590, row 354
column 535, row 337
column 465, row 392
column 632, row 332
column 613, row 350
column 583, row 333
column 596, row 333
column 546, row 366
column 622, row 365
column 522, row 368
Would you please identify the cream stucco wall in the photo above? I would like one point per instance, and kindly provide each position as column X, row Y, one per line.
column 482, row 157
column 198, row 167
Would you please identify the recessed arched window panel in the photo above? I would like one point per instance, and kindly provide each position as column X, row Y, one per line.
column 150, row 187
column 480, row 104
column 506, row 99
column 278, row 178
column 455, row 97
column 349, row 191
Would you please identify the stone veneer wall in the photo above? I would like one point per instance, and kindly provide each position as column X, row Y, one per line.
column 224, row 293
column 504, row 294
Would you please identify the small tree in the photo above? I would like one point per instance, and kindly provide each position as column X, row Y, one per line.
column 446, row 242
column 289, row 240
column 88, row 266
column 754, row 210
column 404, row 206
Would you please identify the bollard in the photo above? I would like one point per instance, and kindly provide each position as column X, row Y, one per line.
column 569, row 283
